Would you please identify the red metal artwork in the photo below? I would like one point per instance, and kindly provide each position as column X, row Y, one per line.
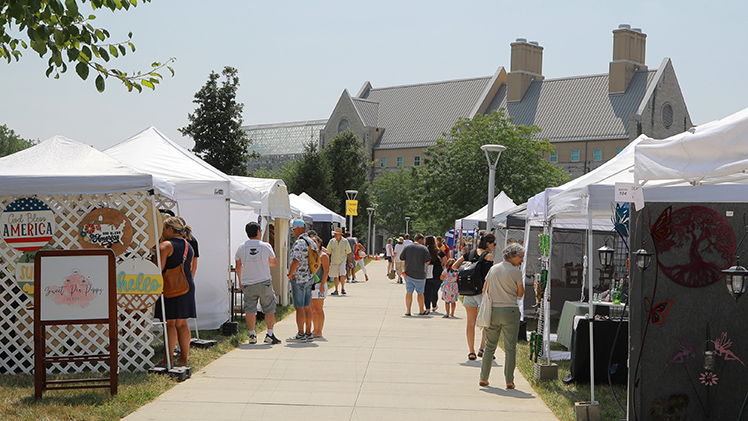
column 694, row 244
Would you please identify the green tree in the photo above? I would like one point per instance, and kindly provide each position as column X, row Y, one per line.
column 395, row 194
column 61, row 31
column 454, row 178
column 10, row 142
column 309, row 174
column 349, row 167
column 215, row 126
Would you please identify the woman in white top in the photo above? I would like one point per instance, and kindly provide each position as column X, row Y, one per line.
column 504, row 284
column 389, row 252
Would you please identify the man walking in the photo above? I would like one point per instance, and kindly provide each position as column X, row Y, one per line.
column 416, row 256
column 302, row 281
column 339, row 250
column 399, row 264
column 253, row 261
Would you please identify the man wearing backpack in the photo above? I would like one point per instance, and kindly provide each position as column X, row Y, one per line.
column 302, row 281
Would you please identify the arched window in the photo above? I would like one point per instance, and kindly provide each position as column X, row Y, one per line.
column 343, row 125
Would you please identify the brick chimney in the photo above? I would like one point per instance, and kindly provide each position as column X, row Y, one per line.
column 527, row 64
column 629, row 47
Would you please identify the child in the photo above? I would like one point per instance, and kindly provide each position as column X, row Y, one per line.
column 449, row 288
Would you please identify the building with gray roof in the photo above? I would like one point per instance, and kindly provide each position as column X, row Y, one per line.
column 589, row 119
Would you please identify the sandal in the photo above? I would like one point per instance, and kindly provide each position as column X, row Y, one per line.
column 471, row 356
column 480, row 352
column 407, row 314
column 484, row 383
column 424, row 313
column 510, row 386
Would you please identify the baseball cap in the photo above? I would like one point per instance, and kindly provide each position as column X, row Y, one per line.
column 298, row 223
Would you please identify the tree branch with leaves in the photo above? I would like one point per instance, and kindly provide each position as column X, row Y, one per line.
column 62, row 33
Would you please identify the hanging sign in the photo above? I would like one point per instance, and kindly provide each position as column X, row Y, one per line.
column 351, row 208
column 27, row 224
column 25, row 276
column 630, row 192
column 139, row 284
column 105, row 228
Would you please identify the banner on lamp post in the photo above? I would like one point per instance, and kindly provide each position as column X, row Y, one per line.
column 351, row 208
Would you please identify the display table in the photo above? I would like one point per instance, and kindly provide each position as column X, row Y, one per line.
column 605, row 335
column 576, row 308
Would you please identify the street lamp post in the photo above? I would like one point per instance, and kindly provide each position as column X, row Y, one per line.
column 491, row 179
column 407, row 219
column 351, row 195
column 371, row 212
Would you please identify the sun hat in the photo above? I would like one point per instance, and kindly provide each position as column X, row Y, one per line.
column 298, row 223
column 338, row 231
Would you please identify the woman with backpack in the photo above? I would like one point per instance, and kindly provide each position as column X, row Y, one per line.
column 471, row 299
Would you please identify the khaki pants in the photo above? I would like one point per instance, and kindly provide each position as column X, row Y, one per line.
column 506, row 319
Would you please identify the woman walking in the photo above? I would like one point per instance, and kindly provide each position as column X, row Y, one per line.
column 433, row 275
column 319, row 290
column 389, row 252
column 486, row 246
column 505, row 286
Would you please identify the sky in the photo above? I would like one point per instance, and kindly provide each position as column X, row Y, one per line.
column 295, row 58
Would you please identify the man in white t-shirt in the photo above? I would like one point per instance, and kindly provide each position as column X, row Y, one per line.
column 253, row 261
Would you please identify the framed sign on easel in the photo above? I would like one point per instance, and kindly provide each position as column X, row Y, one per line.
column 74, row 287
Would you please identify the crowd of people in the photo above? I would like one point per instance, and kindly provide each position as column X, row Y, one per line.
column 423, row 264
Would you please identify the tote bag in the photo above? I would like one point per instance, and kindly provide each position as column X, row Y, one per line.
column 484, row 311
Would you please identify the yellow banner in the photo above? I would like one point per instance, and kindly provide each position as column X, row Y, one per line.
column 351, row 208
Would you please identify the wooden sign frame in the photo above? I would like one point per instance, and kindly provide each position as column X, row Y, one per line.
column 55, row 265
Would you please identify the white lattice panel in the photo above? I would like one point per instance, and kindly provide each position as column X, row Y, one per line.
column 136, row 338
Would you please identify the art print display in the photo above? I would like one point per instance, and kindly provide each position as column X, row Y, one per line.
column 73, row 288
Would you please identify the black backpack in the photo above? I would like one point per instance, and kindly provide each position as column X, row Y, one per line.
column 470, row 275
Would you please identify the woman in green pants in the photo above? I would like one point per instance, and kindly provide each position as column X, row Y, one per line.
column 504, row 283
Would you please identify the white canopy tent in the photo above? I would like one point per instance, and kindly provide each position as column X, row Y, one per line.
column 501, row 204
column 316, row 210
column 203, row 193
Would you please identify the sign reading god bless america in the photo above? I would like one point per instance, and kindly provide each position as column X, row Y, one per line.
column 27, row 224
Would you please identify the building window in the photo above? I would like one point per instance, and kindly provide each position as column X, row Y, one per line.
column 618, row 150
column 416, row 161
column 383, row 162
column 597, row 155
column 554, row 156
column 343, row 126
column 575, row 155
column 667, row 115
column 399, row 161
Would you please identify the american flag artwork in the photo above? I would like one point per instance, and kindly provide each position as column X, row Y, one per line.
column 27, row 224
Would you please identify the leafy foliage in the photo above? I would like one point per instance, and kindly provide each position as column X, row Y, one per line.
column 10, row 142
column 395, row 193
column 63, row 33
column 215, row 126
column 453, row 182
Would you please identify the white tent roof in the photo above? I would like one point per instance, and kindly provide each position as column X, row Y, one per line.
column 711, row 153
column 501, row 203
column 64, row 166
column 152, row 152
column 275, row 202
column 319, row 213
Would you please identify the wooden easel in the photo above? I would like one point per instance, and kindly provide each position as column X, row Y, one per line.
column 50, row 267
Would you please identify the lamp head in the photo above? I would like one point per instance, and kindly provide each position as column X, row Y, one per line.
column 736, row 280
column 643, row 259
column 605, row 254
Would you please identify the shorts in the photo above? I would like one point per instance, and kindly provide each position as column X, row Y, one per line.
column 472, row 300
column 302, row 294
column 262, row 292
column 399, row 267
column 337, row 270
column 416, row 285
column 389, row 258
column 319, row 291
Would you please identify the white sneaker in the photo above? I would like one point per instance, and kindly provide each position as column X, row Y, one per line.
column 253, row 339
column 299, row 337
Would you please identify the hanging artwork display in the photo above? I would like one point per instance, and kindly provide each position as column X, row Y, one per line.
column 27, row 224
column 105, row 228
column 139, row 284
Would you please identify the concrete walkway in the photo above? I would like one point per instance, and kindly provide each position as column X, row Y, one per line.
column 374, row 364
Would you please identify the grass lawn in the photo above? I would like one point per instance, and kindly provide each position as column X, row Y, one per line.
column 560, row 397
column 134, row 389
